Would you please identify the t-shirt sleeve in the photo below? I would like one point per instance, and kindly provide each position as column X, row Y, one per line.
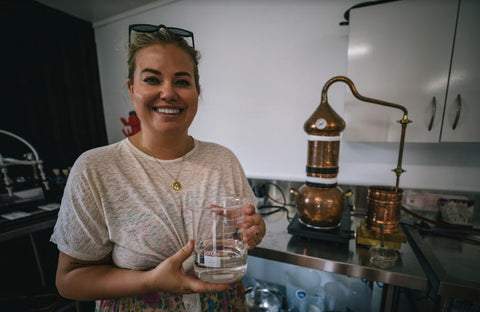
column 242, row 185
column 81, row 231
column 247, row 191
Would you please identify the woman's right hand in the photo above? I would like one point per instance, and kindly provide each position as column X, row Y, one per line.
column 169, row 276
column 91, row 280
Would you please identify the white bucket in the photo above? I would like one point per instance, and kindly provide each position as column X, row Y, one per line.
column 336, row 296
column 301, row 283
column 360, row 296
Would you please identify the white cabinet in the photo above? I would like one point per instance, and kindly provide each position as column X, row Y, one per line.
column 463, row 99
column 401, row 52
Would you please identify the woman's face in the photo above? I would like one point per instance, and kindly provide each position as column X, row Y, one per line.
column 163, row 91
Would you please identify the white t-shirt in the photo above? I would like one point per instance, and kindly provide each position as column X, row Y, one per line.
column 119, row 199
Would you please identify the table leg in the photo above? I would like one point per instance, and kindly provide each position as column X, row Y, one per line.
column 37, row 260
column 444, row 304
column 389, row 296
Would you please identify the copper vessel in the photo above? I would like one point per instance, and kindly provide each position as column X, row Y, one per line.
column 320, row 207
column 320, row 202
column 384, row 206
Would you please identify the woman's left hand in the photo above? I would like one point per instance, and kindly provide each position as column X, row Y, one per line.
column 254, row 227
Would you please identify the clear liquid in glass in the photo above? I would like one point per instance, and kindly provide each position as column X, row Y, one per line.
column 221, row 261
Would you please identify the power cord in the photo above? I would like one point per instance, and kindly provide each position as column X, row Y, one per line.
column 277, row 206
column 440, row 223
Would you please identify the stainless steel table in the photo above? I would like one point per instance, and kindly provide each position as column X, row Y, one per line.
column 38, row 220
column 347, row 259
column 452, row 265
column 28, row 229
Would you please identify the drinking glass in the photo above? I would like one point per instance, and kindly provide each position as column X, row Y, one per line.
column 220, row 254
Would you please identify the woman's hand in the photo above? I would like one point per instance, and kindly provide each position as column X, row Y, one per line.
column 92, row 280
column 169, row 276
column 254, row 227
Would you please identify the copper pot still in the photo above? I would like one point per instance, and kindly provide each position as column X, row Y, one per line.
column 320, row 201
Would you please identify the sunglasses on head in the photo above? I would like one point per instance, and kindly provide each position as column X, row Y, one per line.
column 147, row 28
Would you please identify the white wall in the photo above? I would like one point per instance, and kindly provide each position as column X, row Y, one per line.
column 262, row 70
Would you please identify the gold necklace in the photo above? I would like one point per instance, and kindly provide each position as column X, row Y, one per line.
column 176, row 185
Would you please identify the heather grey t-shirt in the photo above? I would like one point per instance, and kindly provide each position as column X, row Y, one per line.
column 119, row 199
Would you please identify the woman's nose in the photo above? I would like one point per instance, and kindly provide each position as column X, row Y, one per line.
column 167, row 92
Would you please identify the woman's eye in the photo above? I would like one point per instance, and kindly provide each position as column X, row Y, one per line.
column 183, row 83
column 150, row 80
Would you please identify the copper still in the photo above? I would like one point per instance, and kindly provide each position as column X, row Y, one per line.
column 320, row 201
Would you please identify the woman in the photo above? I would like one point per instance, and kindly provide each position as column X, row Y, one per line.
column 124, row 228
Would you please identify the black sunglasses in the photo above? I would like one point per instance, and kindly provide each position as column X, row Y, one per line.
column 147, row 28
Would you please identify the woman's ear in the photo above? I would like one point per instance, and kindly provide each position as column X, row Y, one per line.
column 130, row 89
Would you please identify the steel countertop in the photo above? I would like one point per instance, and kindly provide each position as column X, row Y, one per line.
column 452, row 264
column 347, row 259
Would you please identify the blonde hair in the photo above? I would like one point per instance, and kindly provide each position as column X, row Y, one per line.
column 142, row 40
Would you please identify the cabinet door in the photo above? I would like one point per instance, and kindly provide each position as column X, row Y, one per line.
column 399, row 52
column 463, row 100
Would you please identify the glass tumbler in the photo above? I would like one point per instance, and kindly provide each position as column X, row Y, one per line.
column 383, row 257
column 220, row 254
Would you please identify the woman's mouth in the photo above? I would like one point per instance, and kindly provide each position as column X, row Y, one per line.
column 170, row 111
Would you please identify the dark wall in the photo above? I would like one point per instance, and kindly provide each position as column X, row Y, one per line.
column 50, row 96
column 50, row 89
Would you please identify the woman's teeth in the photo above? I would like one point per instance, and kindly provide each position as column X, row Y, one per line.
column 168, row 110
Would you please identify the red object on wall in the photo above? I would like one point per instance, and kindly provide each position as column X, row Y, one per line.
column 133, row 122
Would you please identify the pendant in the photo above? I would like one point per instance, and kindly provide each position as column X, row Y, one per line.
column 176, row 186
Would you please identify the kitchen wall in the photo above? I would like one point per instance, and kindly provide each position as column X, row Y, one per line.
column 262, row 70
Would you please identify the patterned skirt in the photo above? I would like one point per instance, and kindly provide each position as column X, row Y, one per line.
column 232, row 300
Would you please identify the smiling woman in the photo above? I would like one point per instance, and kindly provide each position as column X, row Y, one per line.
column 125, row 227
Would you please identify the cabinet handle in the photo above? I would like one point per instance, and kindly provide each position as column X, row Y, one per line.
column 434, row 110
column 459, row 109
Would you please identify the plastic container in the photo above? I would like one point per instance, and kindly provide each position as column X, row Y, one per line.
column 456, row 211
column 261, row 298
column 300, row 284
column 336, row 296
column 314, row 303
column 360, row 296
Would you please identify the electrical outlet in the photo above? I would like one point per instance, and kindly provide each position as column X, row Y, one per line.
column 260, row 193
column 259, row 190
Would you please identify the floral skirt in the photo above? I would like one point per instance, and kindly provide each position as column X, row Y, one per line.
column 232, row 300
